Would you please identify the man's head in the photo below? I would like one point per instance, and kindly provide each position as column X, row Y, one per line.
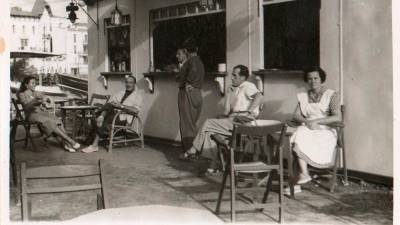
column 181, row 55
column 240, row 74
column 130, row 83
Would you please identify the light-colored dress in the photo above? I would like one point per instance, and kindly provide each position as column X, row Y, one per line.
column 316, row 147
column 48, row 121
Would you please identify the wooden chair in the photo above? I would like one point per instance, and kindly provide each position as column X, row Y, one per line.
column 258, row 166
column 130, row 132
column 62, row 171
column 22, row 120
column 339, row 155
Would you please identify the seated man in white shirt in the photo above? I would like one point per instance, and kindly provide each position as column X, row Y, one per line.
column 128, row 100
column 243, row 99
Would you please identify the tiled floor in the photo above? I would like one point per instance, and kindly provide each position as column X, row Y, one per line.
column 154, row 176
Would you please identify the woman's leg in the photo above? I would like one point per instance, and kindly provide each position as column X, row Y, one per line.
column 303, row 166
column 304, row 176
column 61, row 133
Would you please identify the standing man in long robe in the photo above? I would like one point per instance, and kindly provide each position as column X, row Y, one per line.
column 190, row 80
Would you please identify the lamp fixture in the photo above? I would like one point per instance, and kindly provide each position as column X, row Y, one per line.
column 116, row 15
column 71, row 8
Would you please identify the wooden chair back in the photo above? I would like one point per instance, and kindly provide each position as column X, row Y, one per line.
column 61, row 171
column 19, row 113
column 257, row 166
column 98, row 99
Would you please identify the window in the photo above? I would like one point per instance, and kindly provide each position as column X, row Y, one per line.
column 24, row 43
column 118, row 39
column 85, row 49
column 86, row 38
column 85, row 59
column 291, row 34
column 74, row 49
column 13, row 28
column 33, row 29
column 171, row 34
column 51, row 27
column 74, row 71
column 23, row 29
column 74, row 38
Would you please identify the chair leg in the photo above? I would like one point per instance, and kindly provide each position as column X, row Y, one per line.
column 221, row 157
column 24, row 199
column 268, row 187
column 141, row 140
column 111, row 140
column 334, row 173
column 290, row 168
column 346, row 180
column 27, row 130
column 280, row 192
column 221, row 191
column 233, row 196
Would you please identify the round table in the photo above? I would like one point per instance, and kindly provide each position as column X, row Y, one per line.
column 149, row 214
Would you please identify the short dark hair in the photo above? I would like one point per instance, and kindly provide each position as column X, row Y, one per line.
column 24, row 83
column 130, row 76
column 244, row 71
column 319, row 70
column 190, row 44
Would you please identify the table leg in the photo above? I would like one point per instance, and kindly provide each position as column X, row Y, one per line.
column 63, row 115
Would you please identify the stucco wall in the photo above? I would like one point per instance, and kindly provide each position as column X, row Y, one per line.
column 368, row 82
column 367, row 71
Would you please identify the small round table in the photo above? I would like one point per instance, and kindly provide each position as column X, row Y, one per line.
column 74, row 109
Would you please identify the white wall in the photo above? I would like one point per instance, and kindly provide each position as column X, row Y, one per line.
column 367, row 72
column 368, row 82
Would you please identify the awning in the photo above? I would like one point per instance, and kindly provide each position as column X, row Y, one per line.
column 32, row 54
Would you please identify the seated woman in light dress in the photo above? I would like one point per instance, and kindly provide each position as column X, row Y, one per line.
column 314, row 141
column 32, row 104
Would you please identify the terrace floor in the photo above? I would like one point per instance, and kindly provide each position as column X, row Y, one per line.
column 155, row 176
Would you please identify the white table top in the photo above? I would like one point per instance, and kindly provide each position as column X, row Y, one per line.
column 149, row 214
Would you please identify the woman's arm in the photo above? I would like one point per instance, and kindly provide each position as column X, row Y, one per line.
column 29, row 105
column 334, row 117
column 298, row 116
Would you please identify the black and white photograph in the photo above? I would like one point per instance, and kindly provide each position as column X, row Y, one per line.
column 199, row 111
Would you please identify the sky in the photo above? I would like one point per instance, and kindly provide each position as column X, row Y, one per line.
column 57, row 7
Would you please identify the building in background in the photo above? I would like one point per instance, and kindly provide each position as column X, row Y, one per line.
column 39, row 30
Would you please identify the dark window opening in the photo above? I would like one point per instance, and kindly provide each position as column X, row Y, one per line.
column 291, row 35
column 208, row 30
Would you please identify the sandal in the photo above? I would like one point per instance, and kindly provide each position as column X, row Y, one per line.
column 188, row 155
column 212, row 172
column 76, row 146
column 69, row 149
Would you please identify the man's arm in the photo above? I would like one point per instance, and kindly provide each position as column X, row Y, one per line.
column 257, row 99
